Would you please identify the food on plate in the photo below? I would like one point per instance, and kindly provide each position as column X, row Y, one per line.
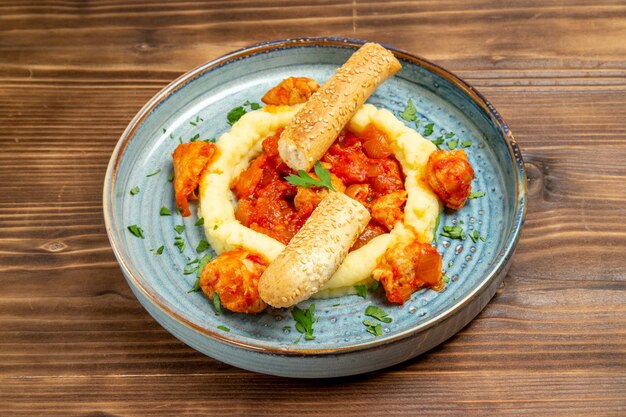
column 408, row 266
column 318, row 193
column 189, row 160
column 290, row 91
column 234, row 278
column 450, row 175
column 315, row 251
column 316, row 125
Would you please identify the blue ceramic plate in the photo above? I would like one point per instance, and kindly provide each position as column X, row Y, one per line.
column 196, row 104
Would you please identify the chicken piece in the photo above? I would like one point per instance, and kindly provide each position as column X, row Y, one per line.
column 190, row 160
column 387, row 210
column 408, row 267
column 450, row 176
column 234, row 276
column 290, row 91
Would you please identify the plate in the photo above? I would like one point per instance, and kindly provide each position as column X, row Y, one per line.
column 195, row 106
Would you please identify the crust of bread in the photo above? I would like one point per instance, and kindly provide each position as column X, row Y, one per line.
column 315, row 252
column 316, row 126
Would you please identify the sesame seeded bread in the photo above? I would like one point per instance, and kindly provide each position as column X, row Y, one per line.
column 316, row 126
column 315, row 252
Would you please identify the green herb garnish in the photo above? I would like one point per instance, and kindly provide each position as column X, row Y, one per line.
column 428, row 129
column 474, row 236
column 476, row 194
column 453, row 232
column 170, row 177
column 466, row 144
column 136, row 230
column 217, row 304
column 235, row 114
column 452, row 144
column 378, row 314
column 202, row 246
column 253, row 106
column 304, row 321
column 196, row 286
column 179, row 228
column 200, row 222
column 190, row 269
column 179, row 242
column 305, row 180
column 445, row 278
column 436, row 227
column 438, row 142
column 154, row 173
column 374, row 328
column 165, row 211
column 410, row 112
column 224, row 328
column 158, row 250
column 374, row 286
column 449, row 135
column 134, row 190
column 361, row 290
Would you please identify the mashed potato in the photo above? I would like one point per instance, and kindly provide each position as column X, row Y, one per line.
column 243, row 143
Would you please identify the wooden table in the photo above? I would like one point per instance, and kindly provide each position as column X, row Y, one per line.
column 74, row 340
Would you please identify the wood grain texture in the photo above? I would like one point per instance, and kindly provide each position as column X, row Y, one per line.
column 74, row 340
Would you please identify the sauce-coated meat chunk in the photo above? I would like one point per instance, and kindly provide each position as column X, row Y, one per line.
column 234, row 276
column 408, row 267
column 290, row 91
column 189, row 160
column 450, row 176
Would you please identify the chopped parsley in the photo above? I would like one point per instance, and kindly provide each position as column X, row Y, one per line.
column 438, row 142
column 190, row 268
column 476, row 235
column 374, row 328
column 217, row 304
column 165, row 211
column 201, row 264
column 194, row 137
column 179, row 228
column 476, row 194
column 303, row 179
column 235, row 114
column 202, row 246
column 410, row 112
column 428, row 129
column 154, row 173
column 449, row 135
column 452, row 144
column 374, row 286
column 134, row 190
column 436, row 227
column 252, row 105
column 304, row 321
column 224, row 328
column 378, row 314
column 193, row 123
column 196, row 286
column 361, row 290
column 200, row 222
column 445, row 278
column 453, row 232
column 170, row 177
column 136, row 231
column 158, row 250
column 164, row 130
column 179, row 242
column 466, row 144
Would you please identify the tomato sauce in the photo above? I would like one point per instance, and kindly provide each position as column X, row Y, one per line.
column 362, row 166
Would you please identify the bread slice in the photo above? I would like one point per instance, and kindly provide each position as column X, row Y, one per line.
column 315, row 252
column 316, row 126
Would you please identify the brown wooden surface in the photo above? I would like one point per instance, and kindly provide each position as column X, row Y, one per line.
column 74, row 340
